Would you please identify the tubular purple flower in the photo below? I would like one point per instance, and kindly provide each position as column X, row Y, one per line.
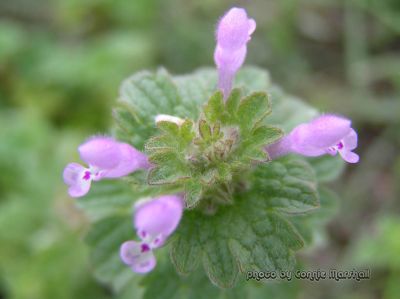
column 155, row 221
column 327, row 134
column 233, row 33
column 106, row 158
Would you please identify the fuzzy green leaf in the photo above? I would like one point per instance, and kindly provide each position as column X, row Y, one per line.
column 215, row 107
column 196, row 88
column 310, row 224
column 168, row 170
column 327, row 168
column 288, row 111
column 167, row 153
column 166, row 283
column 205, row 130
column 244, row 236
column 105, row 238
column 112, row 197
column 288, row 184
column 142, row 97
column 193, row 192
column 233, row 101
column 253, row 109
column 252, row 79
column 252, row 146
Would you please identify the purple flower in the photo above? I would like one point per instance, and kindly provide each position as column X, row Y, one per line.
column 233, row 33
column 154, row 221
column 327, row 134
column 106, row 158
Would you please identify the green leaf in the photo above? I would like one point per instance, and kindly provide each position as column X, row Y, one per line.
column 327, row 168
column 312, row 223
column 264, row 135
column 185, row 252
column 252, row 146
column 196, row 88
column 142, row 97
column 256, row 155
column 288, row 184
column 329, row 204
column 252, row 79
column 244, row 236
column 288, row 111
column 205, row 130
column 150, row 94
column 112, row 197
column 168, row 153
column 168, row 170
column 271, row 251
column 169, row 128
column 164, row 282
column 173, row 138
column 233, row 101
column 215, row 107
column 193, row 193
column 105, row 238
column 253, row 109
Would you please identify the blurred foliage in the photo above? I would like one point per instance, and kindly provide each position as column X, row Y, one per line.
column 41, row 253
column 61, row 63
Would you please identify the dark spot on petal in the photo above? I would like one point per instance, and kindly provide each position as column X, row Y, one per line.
column 145, row 247
column 86, row 175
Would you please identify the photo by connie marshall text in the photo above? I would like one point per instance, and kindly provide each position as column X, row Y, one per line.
column 311, row 275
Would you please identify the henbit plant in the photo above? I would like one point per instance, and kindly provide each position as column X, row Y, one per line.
column 218, row 184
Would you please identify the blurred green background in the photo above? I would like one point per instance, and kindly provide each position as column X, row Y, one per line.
column 61, row 63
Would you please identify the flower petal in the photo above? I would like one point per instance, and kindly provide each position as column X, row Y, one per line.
column 145, row 263
column 75, row 177
column 252, row 26
column 130, row 160
column 300, row 146
column 350, row 141
column 349, row 156
column 233, row 33
column 229, row 61
column 131, row 254
column 101, row 152
column 280, row 148
column 234, row 28
column 158, row 217
column 325, row 131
